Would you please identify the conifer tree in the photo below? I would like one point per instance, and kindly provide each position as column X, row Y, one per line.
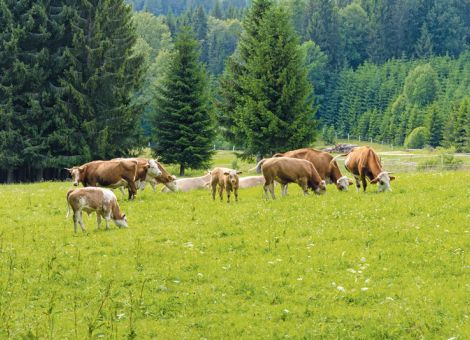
column 267, row 90
column 183, row 126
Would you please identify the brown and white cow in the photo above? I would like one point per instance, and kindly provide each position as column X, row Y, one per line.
column 226, row 179
column 364, row 163
column 191, row 183
column 93, row 199
column 250, row 181
column 290, row 170
column 324, row 163
column 109, row 174
column 147, row 171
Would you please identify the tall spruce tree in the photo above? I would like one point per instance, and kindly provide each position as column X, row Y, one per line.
column 266, row 89
column 183, row 125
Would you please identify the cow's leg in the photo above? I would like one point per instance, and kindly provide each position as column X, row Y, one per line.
column 235, row 192
column 98, row 219
column 358, row 183
column 265, row 187
column 153, row 184
column 80, row 220
column 221, row 193
column 214, row 189
column 271, row 189
column 107, row 218
column 132, row 189
column 364, row 183
column 228, row 195
column 75, row 222
column 303, row 184
column 121, row 189
column 283, row 190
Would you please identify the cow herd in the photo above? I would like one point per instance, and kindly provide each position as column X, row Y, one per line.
column 309, row 168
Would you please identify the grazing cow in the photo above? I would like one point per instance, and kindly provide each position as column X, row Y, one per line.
column 93, row 199
column 187, row 184
column 363, row 162
column 147, row 170
column 290, row 170
column 226, row 179
column 250, row 181
column 168, row 180
column 324, row 163
column 109, row 174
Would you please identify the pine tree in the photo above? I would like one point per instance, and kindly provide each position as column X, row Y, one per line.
column 10, row 125
column 183, row 127
column 434, row 124
column 274, row 109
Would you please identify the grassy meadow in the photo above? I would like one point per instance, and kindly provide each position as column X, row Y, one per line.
column 341, row 265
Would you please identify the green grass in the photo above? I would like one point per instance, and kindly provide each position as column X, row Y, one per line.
column 343, row 265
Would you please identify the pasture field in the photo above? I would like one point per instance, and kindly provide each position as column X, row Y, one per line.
column 342, row 265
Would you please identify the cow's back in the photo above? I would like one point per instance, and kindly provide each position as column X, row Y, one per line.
column 320, row 159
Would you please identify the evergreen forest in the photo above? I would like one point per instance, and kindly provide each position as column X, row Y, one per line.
column 91, row 79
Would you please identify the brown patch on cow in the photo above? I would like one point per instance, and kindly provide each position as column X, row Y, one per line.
column 291, row 170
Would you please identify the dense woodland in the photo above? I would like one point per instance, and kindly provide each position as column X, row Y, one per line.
column 86, row 80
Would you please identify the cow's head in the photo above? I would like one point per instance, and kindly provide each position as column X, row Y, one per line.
column 343, row 183
column 232, row 176
column 121, row 221
column 77, row 174
column 172, row 184
column 320, row 188
column 153, row 170
column 383, row 181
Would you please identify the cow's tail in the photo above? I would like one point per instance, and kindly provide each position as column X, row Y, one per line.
column 68, row 204
column 336, row 157
column 258, row 166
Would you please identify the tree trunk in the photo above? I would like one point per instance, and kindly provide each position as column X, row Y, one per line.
column 10, row 176
column 39, row 174
column 181, row 170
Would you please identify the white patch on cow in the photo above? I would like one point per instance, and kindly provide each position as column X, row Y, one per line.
column 108, row 196
column 343, row 183
column 120, row 183
column 121, row 223
column 383, row 182
column 153, row 170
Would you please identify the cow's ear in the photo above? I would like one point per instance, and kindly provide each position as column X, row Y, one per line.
column 81, row 169
column 123, row 215
column 68, row 169
column 226, row 173
column 239, row 172
column 174, row 177
column 392, row 178
column 147, row 166
column 375, row 180
column 351, row 182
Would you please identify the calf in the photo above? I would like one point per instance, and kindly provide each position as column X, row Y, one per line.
column 290, row 170
column 226, row 179
column 364, row 163
column 94, row 199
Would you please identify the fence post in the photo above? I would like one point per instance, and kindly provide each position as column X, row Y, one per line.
column 371, row 140
column 359, row 138
column 214, row 146
column 233, row 149
column 348, row 137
